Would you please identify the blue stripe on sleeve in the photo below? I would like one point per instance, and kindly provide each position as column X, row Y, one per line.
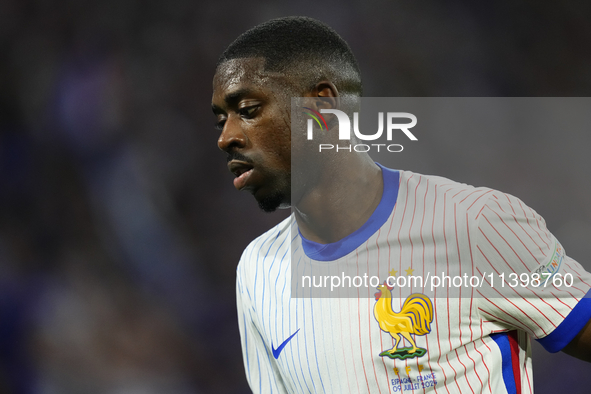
column 570, row 326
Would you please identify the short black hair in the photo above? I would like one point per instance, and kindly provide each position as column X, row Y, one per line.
column 302, row 46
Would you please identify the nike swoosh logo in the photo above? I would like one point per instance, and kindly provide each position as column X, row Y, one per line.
column 277, row 352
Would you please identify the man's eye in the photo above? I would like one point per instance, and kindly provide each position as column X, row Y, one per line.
column 219, row 125
column 248, row 112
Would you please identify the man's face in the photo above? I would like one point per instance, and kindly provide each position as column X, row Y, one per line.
column 252, row 110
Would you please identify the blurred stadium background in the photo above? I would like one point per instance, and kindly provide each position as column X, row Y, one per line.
column 119, row 226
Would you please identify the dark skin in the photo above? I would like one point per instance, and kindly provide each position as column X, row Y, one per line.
column 255, row 130
column 252, row 109
column 255, row 124
column 580, row 346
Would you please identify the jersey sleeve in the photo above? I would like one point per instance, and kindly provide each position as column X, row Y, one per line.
column 532, row 285
column 261, row 369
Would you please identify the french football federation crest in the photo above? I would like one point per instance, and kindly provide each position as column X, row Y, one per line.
column 414, row 318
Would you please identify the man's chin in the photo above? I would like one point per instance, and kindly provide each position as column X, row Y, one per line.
column 272, row 203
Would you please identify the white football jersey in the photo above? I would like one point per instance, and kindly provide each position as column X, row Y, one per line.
column 431, row 336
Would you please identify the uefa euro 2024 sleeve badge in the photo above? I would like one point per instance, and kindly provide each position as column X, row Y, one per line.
column 414, row 318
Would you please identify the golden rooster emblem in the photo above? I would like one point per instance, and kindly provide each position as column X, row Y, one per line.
column 415, row 317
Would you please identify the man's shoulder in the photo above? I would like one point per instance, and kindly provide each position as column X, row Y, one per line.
column 464, row 196
column 466, row 201
column 268, row 246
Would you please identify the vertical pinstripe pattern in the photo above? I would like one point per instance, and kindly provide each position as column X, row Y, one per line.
column 437, row 226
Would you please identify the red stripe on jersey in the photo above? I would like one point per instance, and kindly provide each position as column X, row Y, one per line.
column 525, row 343
column 421, row 231
column 521, row 310
column 510, row 229
column 454, row 196
column 540, row 298
column 495, row 248
column 515, row 291
column 460, row 303
column 447, row 262
column 468, row 195
column 533, row 229
column 559, row 300
column 369, row 308
column 455, row 374
column 538, row 218
column 485, row 366
column 398, row 235
column 482, row 357
column 498, row 319
column 474, row 202
column 483, row 296
column 577, row 299
column 512, row 335
column 573, row 269
column 471, row 300
column 472, row 273
column 359, row 322
column 389, row 231
column 512, row 288
column 369, row 321
column 500, row 309
column 412, row 220
column 578, row 275
column 466, row 371
column 351, row 336
column 479, row 212
column 423, row 243
column 507, row 242
column 435, row 295
column 509, row 202
column 342, row 347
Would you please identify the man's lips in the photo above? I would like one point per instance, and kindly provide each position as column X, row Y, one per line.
column 242, row 171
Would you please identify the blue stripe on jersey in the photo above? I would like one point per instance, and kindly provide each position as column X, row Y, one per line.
column 502, row 340
column 260, row 374
column 275, row 287
column 256, row 274
column 265, row 276
column 570, row 327
column 293, row 373
column 299, row 357
column 306, row 346
column 314, row 337
column 279, row 300
column 336, row 250
column 246, row 344
column 270, row 368
column 285, row 276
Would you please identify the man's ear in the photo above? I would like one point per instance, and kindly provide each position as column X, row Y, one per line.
column 326, row 94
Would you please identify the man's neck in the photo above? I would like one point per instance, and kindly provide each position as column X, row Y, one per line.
column 342, row 202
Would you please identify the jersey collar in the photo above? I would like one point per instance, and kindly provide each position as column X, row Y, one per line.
column 341, row 248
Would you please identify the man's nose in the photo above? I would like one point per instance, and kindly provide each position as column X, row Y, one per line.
column 232, row 137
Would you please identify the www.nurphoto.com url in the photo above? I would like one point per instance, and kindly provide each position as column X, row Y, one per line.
column 492, row 280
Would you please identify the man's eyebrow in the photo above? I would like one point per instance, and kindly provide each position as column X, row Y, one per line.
column 216, row 110
column 231, row 99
